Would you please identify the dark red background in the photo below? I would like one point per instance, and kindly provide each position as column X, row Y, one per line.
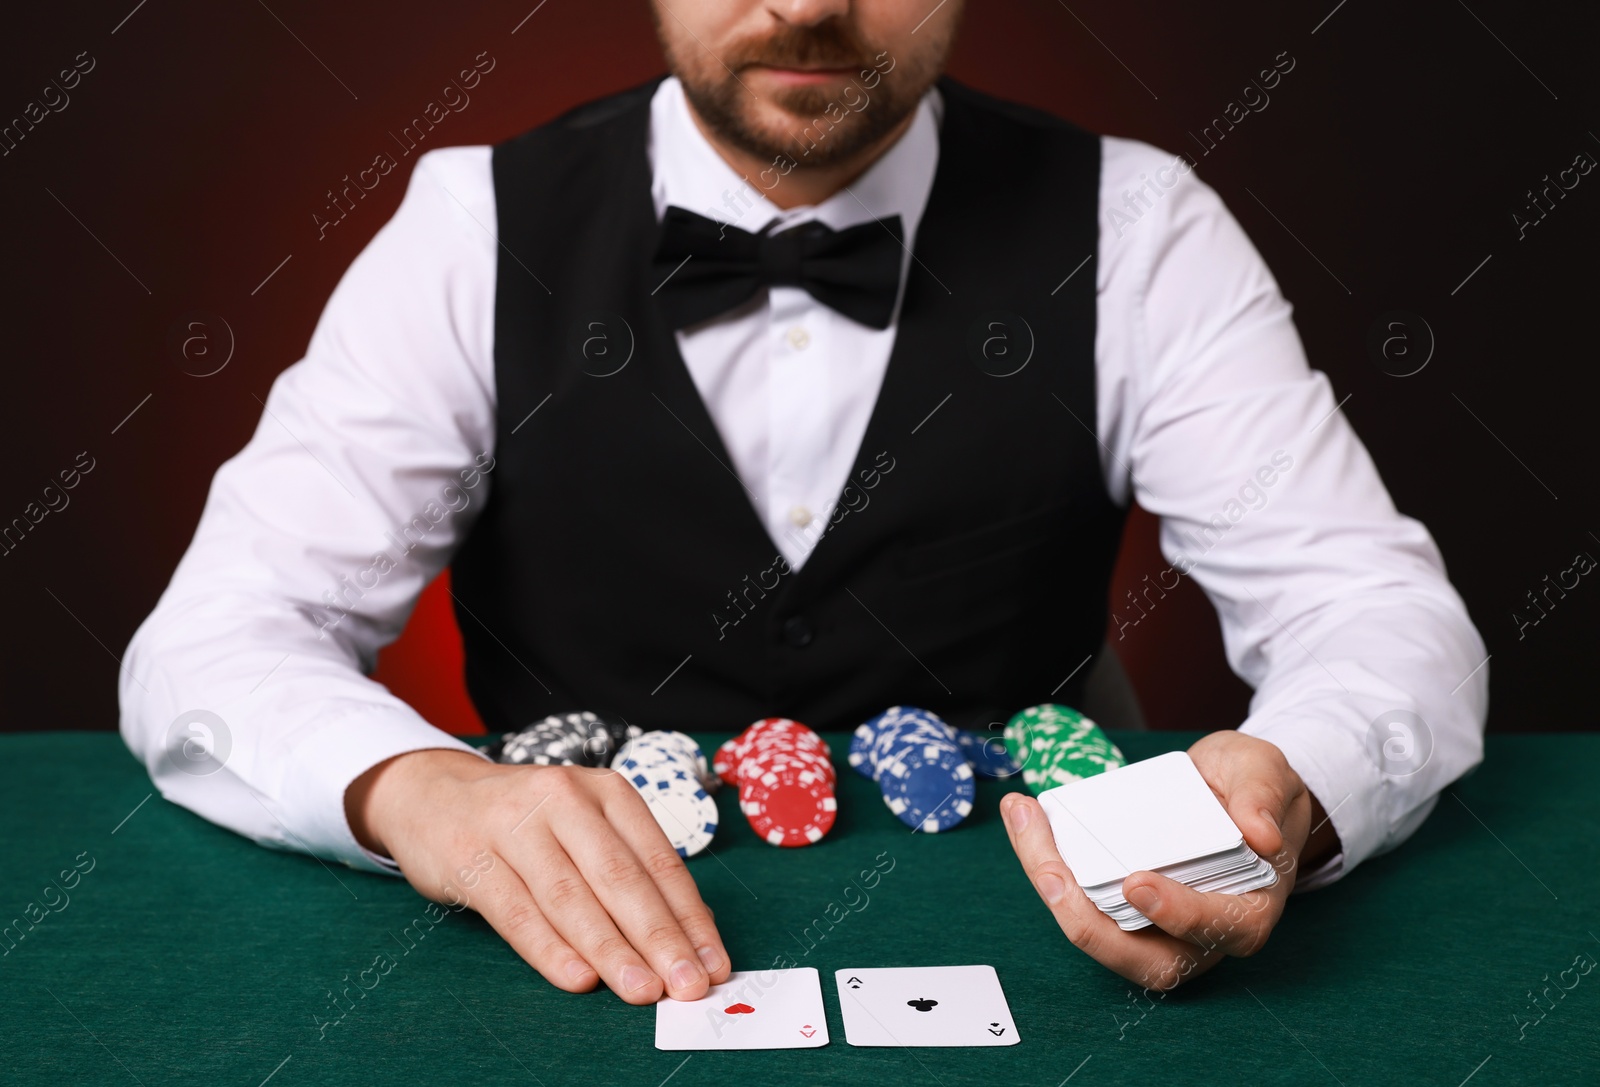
column 205, row 137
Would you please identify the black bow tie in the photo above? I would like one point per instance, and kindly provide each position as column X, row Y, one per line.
column 705, row 268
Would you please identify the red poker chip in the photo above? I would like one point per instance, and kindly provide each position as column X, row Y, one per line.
column 781, row 726
column 789, row 805
column 786, row 780
column 743, row 740
column 759, row 750
column 726, row 762
column 799, row 735
column 783, row 742
column 794, row 736
column 774, row 722
column 757, row 764
column 750, row 773
column 781, row 745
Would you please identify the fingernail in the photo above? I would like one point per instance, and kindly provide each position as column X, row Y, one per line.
column 710, row 958
column 1052, row 888
column 683, row 974
column 578, row 970
column 1018, row 816
column 1145, row 899
column 1271, row 819
column 635, row 978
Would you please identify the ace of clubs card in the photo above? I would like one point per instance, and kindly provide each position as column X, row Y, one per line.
column 925, row 1006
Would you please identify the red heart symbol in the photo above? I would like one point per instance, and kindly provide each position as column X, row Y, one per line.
column 739, row 1009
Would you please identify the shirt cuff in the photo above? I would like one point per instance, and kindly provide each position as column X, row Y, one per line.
column 381, row 864
column 1342, row 776
column 1323, row 874
column 331, row 757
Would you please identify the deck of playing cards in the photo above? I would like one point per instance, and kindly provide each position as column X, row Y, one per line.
column 1160, row 816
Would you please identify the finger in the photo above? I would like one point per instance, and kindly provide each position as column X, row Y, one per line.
column 632, row 898
column 636, row 825
column 569, row 904
column 1258, row 807
column 1083, row 922
column 1231, row 924
column 1257, row 788
column 1149, row 957
column 504, row 901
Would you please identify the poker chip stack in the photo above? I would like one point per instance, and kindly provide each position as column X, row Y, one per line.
column 919, row 766
column 670, row 772
column 668, row 768
column 987, row 754
column 565, row 739
column 1056, row 744
column 785, row 779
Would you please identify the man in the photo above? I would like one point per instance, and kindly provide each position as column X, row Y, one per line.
column 695, row 458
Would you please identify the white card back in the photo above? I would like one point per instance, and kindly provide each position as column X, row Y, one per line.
column 1141, row 816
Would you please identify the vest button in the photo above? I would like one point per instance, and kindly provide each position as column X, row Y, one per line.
column 797, row 631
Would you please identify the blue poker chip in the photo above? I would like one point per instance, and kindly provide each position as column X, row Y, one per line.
column 987, row 754
column 875, row 739
column 908, row 738
column 861, row 748
column 901, row 724
column 872, row 736
column 928, row 784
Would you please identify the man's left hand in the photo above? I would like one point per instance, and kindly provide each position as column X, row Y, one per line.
column 1192, row 931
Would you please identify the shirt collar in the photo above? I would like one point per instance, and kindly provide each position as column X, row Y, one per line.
column 689, row 173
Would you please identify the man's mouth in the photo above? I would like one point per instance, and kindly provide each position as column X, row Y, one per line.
column 805, row 75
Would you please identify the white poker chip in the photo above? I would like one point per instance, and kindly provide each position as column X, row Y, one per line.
column 666, row 747
column 670, row 772
column 682, row 808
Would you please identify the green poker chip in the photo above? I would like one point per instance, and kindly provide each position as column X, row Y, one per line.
column 1056, row 744
column 1036, row 730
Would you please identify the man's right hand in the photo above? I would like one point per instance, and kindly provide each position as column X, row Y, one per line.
column 583, row 884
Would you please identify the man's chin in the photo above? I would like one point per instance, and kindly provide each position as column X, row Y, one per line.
column 791, row 108
column 790, row 150
column 785, row 122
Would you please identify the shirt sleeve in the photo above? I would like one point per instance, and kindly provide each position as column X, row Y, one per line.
column 245, row 692
column 1335, row 607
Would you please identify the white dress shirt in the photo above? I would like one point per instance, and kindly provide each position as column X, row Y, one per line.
column 1333, row 606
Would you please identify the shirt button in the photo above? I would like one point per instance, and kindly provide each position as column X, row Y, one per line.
column 800, row 516
column 799, row 338
column 797, row 631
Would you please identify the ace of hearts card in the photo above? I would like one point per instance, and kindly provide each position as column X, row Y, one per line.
column 767, row 1009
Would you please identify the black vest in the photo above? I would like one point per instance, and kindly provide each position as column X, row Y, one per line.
column 619, row 564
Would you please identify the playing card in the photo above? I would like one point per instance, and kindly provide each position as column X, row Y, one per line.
column 1160, row 815
column 770, row 1009
column 1143, row 816
column 925, row 1006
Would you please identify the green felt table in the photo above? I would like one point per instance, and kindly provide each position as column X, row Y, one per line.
column 189, row 955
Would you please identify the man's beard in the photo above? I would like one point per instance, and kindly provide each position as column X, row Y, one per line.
column 808, row 136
